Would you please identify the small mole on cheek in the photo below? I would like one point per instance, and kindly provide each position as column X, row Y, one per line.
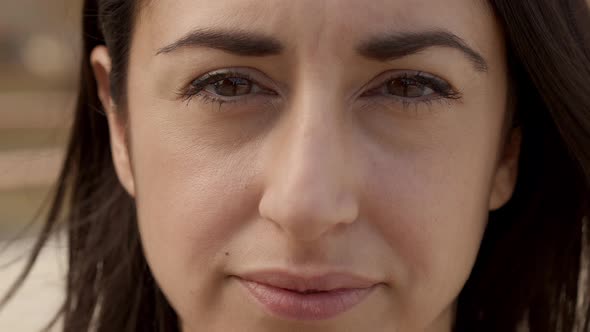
column 227, row 253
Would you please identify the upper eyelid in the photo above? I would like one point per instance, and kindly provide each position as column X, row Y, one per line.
column 213, row 77
column 256, row 76
column 388, row 75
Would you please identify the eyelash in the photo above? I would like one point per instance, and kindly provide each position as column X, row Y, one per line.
column 196, row 88
column 442, row 91
column 440, row 88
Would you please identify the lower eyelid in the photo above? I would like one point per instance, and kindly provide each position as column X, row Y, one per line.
column 236, row 99
column 409, row 109
column 416, row 100
column 428, row 103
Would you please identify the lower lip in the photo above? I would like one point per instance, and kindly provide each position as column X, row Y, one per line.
column 298, row 306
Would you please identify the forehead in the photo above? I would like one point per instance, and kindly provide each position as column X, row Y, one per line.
column 313, row 24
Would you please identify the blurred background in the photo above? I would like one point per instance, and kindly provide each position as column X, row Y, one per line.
column 39, row 54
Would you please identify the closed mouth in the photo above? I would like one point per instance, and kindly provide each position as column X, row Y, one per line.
column 297, row 297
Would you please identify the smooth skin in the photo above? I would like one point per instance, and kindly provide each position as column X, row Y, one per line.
column 307, row 171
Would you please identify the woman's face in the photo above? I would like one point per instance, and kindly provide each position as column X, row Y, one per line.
column 280, row 147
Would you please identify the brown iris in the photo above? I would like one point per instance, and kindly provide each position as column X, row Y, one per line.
column 405, row 87
column 232, row 87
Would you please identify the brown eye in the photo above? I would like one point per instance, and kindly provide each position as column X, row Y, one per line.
column 232, row 87
column 407, row 88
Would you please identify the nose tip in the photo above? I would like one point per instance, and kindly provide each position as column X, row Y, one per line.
column 306, row 214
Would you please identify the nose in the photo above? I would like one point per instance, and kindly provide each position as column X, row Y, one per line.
column 311, row 179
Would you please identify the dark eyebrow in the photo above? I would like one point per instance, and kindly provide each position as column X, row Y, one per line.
column 393, row 46
column 232, row 41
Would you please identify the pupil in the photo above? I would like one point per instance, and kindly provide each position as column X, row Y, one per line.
column 232, row 87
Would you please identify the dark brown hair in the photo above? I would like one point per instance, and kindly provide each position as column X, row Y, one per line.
column 531, row 259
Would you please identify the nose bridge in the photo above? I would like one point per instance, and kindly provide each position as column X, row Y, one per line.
column 316, row 122
column 311, row 187
column 312, row 155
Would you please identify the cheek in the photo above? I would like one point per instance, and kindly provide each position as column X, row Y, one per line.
column 191, row 199
column 430, row 205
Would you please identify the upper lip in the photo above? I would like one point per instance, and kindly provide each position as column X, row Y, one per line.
column 309, row 282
